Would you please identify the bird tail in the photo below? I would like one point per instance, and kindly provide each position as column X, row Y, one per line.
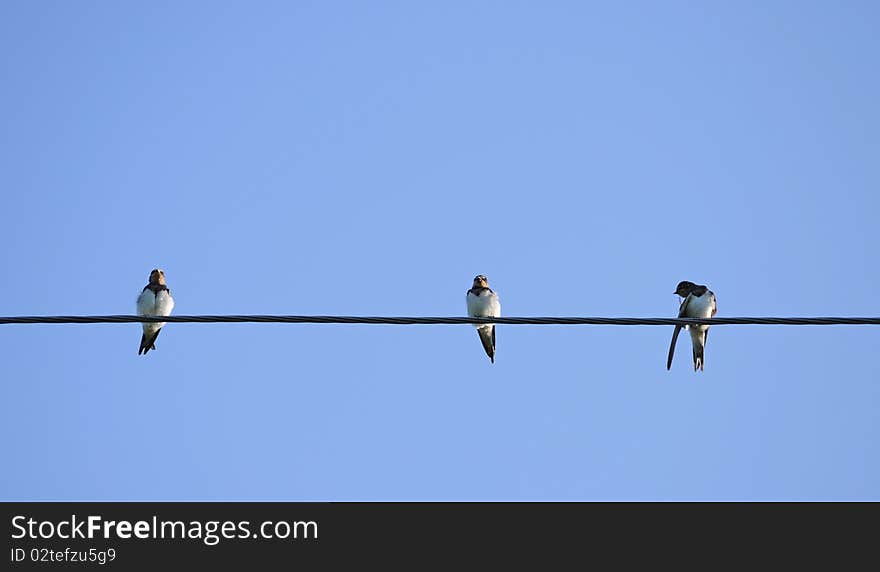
column 148, row 344
column 487, row 337
column 699, row 339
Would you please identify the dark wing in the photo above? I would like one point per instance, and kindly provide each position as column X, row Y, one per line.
column 682, row 310
column 672, row 347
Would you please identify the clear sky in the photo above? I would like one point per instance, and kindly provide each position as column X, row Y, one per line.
column 369, row 158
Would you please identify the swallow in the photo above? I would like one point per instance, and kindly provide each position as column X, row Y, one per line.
column 482, row 302
column 155, row 300
column 698, row 302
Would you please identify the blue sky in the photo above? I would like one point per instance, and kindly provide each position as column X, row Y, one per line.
column 369, row 159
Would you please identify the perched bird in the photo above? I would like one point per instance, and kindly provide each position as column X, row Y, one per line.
column 699, row 302
column 155, row 300
column 482, row 302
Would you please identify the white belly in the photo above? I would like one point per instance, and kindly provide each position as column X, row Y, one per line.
column 484, row 306
column 149, row 304
column 701, row 307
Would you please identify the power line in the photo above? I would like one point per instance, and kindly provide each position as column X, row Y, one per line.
column 558, row 321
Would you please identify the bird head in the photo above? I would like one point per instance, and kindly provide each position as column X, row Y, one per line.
column 684, row 288
column 157, row 276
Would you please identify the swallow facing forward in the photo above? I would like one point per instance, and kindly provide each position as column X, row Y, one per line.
column 482, row 302
column 155, row 300
column 699, row 302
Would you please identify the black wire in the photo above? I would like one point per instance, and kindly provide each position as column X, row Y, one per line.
column 561, row 321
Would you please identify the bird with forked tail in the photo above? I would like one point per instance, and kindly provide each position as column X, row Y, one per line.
column 698, row 302
column 482, row 302
column 155, row 300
